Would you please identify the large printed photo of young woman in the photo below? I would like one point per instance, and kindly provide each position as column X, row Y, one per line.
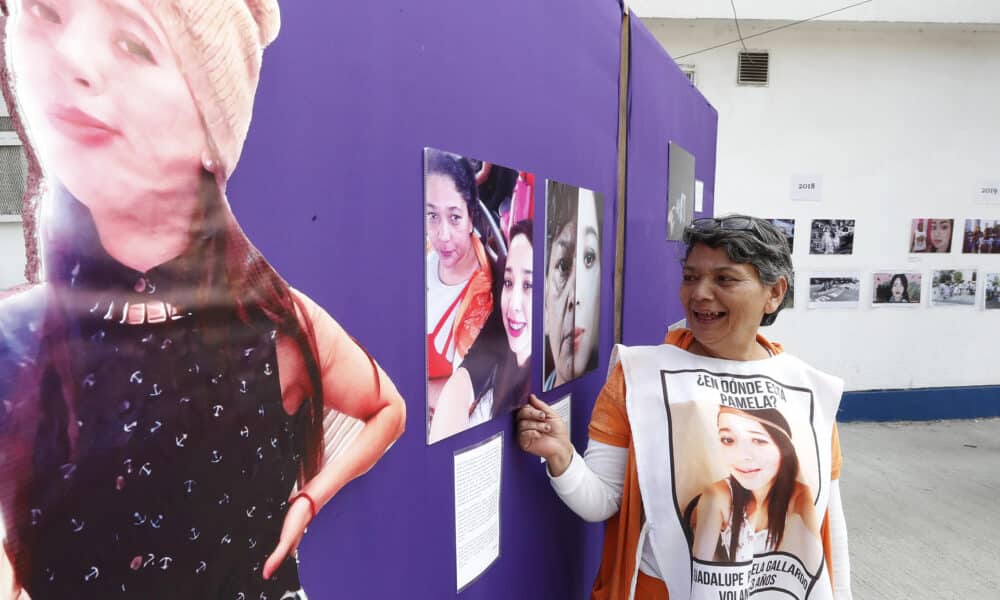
column 162, row 390
column 746, row 481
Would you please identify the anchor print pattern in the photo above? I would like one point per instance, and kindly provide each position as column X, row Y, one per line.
column 185, row 461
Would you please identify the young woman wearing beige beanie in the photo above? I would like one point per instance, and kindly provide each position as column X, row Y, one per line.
column 162, row 393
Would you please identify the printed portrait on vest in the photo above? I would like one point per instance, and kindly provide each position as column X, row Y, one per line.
column 746, row 482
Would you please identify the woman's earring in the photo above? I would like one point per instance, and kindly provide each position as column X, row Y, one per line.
column 207, row 161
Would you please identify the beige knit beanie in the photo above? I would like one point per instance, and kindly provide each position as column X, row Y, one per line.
column 218, row 45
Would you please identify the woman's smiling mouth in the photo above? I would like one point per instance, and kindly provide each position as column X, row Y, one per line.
column 516, row 328
column 707, row 316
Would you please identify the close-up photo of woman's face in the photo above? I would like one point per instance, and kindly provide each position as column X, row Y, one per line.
column 515, row 297
column 748, row 451
column 940, row 235
column 898, row 289
column 560, row 301
column 572, row 282
column 588, row 283
column 98, row 85
column 448, row 224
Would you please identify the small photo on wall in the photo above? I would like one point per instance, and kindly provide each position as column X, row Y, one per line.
column 981, row 237
column 931, row 235
column 680, row 191
column 574, row 219
column 896, row 289
column 992, row 291
column 787, row 227
column 478, row 257
column 832, row 236
column 953, row 288
column 834, row 290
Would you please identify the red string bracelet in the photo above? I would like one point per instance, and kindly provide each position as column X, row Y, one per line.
column 312, row 504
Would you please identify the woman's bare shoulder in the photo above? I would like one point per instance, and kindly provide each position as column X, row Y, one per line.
column 718, row 492
column 308, row 309
column 801, row 495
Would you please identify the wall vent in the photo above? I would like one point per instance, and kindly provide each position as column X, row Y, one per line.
column 753, row 67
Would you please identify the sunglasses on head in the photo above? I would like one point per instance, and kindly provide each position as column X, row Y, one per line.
column 727, row 223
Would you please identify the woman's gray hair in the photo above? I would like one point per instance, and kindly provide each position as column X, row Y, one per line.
column 761, row 245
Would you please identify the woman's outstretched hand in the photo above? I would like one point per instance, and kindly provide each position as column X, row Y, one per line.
column 296, row 519
column 542, row 432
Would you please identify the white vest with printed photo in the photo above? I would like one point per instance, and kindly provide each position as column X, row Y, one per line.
column 673, row 400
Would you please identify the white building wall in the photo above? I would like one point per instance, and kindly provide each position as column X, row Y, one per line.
column 913, row 11
column 12, row 258
column 901, row 122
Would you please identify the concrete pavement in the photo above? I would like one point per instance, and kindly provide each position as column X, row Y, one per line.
column 922, row 502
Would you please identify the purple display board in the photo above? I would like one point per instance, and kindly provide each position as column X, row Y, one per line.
column 330, row 189
column 663, row 107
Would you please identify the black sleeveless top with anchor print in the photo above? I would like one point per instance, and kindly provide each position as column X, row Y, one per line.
column 168, row 473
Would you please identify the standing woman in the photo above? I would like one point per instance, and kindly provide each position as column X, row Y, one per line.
column 162, row 394
column 829, row 245
column 647, row 447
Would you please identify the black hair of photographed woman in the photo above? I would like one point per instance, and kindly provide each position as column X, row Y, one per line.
column 496, row 187
column 490, row 362
column 904, row 295
column 496, row 191
column 890, row 293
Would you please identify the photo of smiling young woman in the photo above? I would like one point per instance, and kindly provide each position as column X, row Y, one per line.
column 574, row 218
column 477, row 253
column 494, row 377
column 761, row 502
column 746, row 475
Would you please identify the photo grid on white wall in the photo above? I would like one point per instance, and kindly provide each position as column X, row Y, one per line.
column 852, row 281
